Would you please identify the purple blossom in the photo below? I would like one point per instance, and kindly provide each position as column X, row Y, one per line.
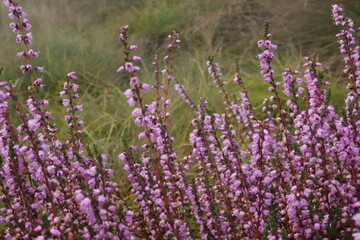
column 120, row 69
column 55, row 232
column 66, row 102
column 136, row 58
column 72, row 75
column 129, row 93
column 79, row 108
column 129, row 67
column 145, row 86
column 133, row 47
column 134, row 81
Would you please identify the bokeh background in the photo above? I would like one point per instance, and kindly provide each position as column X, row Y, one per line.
column 82, row 36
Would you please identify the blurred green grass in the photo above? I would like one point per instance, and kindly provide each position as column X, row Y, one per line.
column 82, row 36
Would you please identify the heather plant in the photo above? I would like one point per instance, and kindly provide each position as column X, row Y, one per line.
column 51, row 188
column 289, row 170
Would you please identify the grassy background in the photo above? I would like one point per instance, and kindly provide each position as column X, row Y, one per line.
column 82, row 36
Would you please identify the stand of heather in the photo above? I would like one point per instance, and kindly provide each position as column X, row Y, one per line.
column 288, row 169
column 83, row 35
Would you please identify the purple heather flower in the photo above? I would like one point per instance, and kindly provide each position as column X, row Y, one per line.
column 72, row 75
column 33, row 124
column 21, row 54
column 38, row 81
column 79, row 108
column 133, row 47
column 14, row 27
column 137, row 112
column 142, row 135
column 151, row 107
column 145, row 86
column 120, row 69
column 74, row 87
column 356, row 218
column 129, row 67
column 134, row 81
column 131, row 101
column 66, row 102
column 136, row 58
column 128, row 93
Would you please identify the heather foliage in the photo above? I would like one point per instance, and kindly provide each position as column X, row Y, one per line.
column 289, row 170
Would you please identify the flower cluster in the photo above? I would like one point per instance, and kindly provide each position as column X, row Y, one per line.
column 50, row 188
column 181, row 91
column 289, row 173
column 348, row 46
column 290, row 170
column 21, row 26
column 157, row 179
column 267, row 55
